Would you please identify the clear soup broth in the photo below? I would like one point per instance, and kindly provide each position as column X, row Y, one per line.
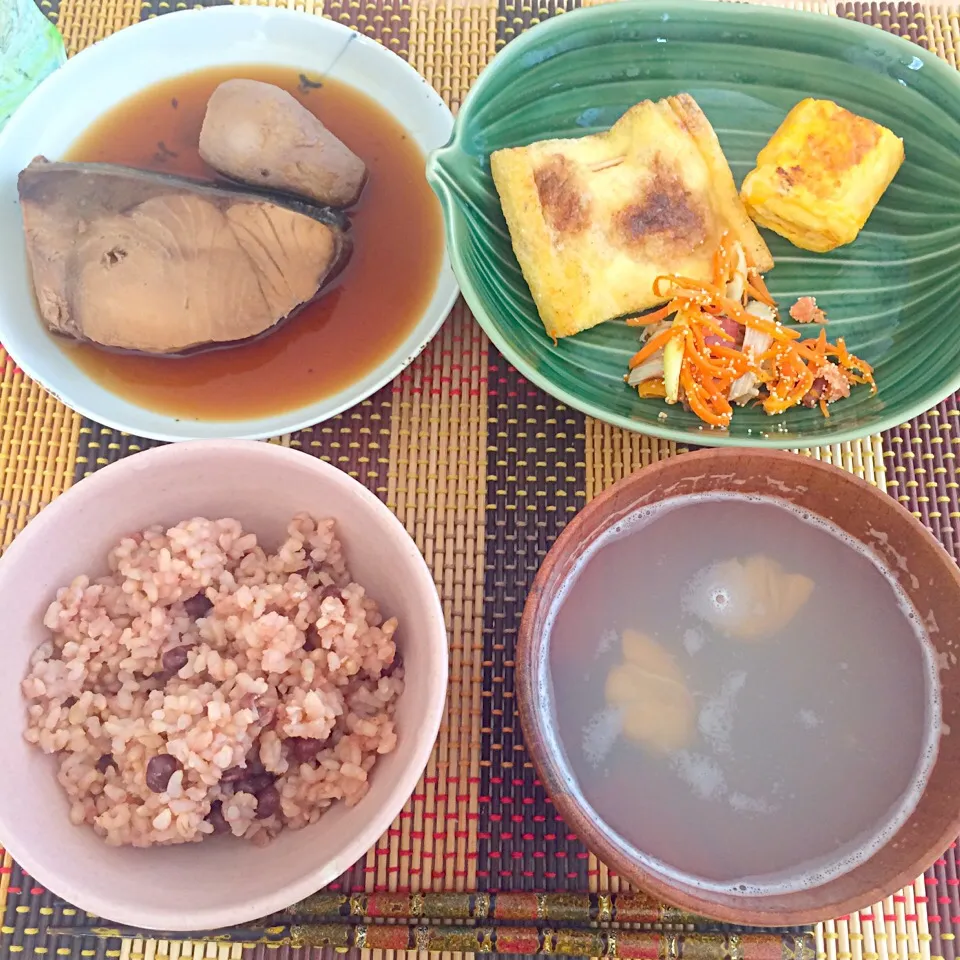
column 723, row 672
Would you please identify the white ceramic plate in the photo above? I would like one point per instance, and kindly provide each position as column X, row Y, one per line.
column 103, row 75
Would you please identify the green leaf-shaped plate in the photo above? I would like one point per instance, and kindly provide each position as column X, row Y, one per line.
column 892, row 294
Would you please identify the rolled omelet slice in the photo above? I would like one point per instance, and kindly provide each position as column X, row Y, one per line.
column 818, row 179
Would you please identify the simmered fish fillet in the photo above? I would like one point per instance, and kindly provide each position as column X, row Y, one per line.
column 595, row 220
column 159, row 264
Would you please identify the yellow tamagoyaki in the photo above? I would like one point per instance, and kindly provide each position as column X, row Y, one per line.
column 818, row 179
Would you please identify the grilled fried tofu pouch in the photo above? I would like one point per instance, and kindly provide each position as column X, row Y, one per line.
column 818, row 179
column 595, row 220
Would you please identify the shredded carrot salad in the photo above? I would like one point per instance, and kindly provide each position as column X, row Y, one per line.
column 717, row 368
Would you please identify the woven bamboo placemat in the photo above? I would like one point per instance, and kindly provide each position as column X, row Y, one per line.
column 484, row 470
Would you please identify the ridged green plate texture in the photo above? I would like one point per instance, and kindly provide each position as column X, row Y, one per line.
column 893, row 294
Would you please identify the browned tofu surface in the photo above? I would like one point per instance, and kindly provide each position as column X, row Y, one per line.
column 595, row 220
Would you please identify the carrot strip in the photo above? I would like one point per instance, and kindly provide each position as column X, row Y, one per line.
column 787, row 369
column 738, row 361
column 758, row 287
column 707, row 321
column 700, row 361
column 772, row 327
column 650, row 318
column 651, row 347
column 789, row 395
column 698, row 403
column 734, row 362
column 815, row 351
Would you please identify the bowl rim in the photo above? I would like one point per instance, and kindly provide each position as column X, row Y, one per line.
column 550, row 769
column 39, row 531
column 456, row 239
column 172, row 428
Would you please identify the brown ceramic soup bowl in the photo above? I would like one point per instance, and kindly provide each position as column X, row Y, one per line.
column 927, row 574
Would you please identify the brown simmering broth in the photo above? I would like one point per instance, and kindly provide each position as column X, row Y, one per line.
column 358, row 321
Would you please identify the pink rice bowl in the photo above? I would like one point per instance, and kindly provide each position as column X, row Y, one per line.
column 167, row 680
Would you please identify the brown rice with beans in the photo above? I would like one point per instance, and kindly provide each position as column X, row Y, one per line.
column 206, row 686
